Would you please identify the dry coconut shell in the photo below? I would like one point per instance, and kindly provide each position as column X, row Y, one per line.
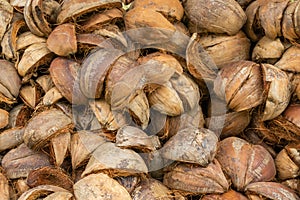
column 4, row 115
column 240, row 84
column 229, row 124
column 135, row 138
column 196, row 180
column 35, row 55
column 6, row 13
column 278, row 96
column 40, row 191
column 253, row 28
column 109, row 120
column 199, row 63
column 138, row 78
column 28, row 38
column 4, row 188
column 19, row 115
column 59, row 146
column 152, row 27
column 271, row 190
column 222, row 16
column 237, row 47
column 30, row 21
column 18, row 162
column 168, row 127
column 286, row 167
column 99, row 187
column 164, row 59
column 9, row 40
column 49, row 176
column 151, row 189
column 290, row 60
column 138, row 108
column 166, row 100
column 31, row 95
column 72, row 9
column 287, row 25
column 64, row 73
column 270, row 16
column 52, row 96
column 21, row 186
column 44, row 126
column 45, row 81
column 125, row 162
column 172, row 9
column 94, row 70
column 267, row 50
column 100, row 19
column 60, row 196
column 192, row 145
column 187, row 90
column 115, row 73
column 43, row 11
column 11, row 138
column 245, row 163
column 83, row 144
column 293, row 184
column 62, row 40
column 10, row 82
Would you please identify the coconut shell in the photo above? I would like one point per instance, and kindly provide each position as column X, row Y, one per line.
column 245, row 163
column 240, row 84
column 49, row 176
column 65, row 33
column 196, row 180
column 278, row 96
column 222, row 16
column 272, row 190
column 44, row 126
column 99, row 187
column 237, row 47
column 192, row 145
column 126, row 162
column 18, row 162
column 72, row 9
column 64, row 73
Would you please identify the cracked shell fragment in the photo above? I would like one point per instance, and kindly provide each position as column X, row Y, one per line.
column 18, row 162
column 279, row 91
column 34, row 56
column 10, row 82
column 151, row 189
column 100, row 187
column 94, row 70
column 272, row 190
column 197, row 180
column 192, row 145
column 44, row 126
column 83, row 144
column 6, row 15
column 72, row 9
column 134, row 138
column 40, row 191
column 109, row 157
column 4, row 188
